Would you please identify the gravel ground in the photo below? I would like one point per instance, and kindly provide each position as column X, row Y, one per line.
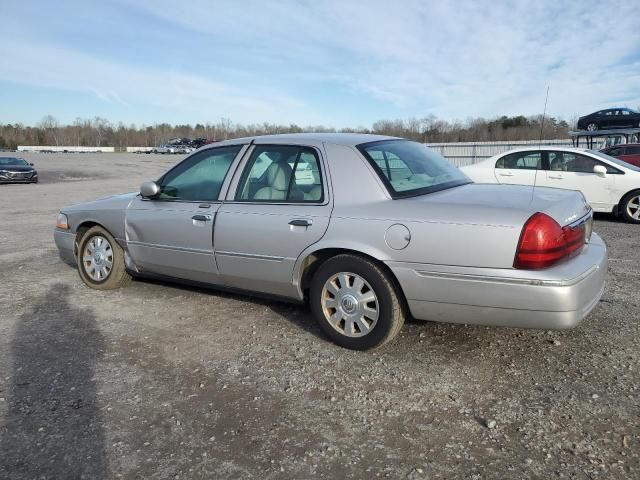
column 165, row 381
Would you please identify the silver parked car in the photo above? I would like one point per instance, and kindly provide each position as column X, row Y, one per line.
column 368, row 228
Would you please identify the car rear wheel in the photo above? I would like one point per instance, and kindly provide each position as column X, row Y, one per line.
column 630, row 207
column 101, row 260
column 592, row 127
column 355, row 303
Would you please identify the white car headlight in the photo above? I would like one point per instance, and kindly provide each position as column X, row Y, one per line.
column 62, row 222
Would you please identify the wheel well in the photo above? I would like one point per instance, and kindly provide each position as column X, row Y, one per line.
column 317, row 258
column 80, row 231
column 618, row 207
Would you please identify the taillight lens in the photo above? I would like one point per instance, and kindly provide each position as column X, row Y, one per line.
column 543, row 242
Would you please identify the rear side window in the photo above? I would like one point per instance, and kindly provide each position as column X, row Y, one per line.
column 281, row 173
column 632, row 151
column 520, row 160
column 200, row 177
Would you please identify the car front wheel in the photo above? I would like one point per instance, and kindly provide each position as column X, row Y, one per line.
column 592, row 127
column 356, row 303
column 631, row 207
column 101, row 260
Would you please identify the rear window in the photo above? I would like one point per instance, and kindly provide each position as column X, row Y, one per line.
column 408, row 168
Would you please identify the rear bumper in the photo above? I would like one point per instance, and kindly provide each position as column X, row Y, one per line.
column 65, row 241
column 556, row 298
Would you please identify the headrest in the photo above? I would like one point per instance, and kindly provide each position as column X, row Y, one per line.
column 278, row 175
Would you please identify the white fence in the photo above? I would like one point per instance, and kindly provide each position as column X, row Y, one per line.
column 63, row 149
column 467, row 153
column 138, row 149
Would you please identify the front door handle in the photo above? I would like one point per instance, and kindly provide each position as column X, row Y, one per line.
column 301, row 222
column 202, row 218
column 506, row 174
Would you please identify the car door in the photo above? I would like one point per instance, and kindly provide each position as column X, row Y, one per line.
column 278, row 204
column 624, row 119
column 574, row 171
column 172, row 234
column 608, row 119
column 518, row 168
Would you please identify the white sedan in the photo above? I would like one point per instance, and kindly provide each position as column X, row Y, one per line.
column 609, row 185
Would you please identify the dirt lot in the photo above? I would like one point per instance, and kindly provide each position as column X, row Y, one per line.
column 165, row 381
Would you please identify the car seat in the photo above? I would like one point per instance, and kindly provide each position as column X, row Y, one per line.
column 278, row 175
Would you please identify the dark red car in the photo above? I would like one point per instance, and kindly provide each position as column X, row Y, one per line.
column 629, row 152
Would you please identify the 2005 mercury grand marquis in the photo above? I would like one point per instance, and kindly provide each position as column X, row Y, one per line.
column 368, row 228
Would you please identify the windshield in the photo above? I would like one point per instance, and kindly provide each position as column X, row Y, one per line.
column 5, row 161
column 409, row 168
column 615, row 161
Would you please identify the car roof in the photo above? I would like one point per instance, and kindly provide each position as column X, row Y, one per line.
column 347, row 139
column 535, row 148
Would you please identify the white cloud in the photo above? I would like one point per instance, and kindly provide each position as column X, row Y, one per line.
column 455, row 59
column 139, row 87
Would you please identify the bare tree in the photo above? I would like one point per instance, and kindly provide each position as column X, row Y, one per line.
column 50, row 124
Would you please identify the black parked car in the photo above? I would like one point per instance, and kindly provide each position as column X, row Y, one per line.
column 610, row 118
column 17, row 170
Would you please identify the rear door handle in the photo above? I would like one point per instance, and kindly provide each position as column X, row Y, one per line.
column 202, row 218
column 301, row 222
column 556, row 177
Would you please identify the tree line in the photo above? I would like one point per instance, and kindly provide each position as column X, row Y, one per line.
column 98, row 131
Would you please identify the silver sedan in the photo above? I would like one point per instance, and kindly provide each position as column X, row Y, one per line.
column 367, row 229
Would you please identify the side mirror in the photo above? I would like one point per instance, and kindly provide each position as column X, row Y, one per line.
column 149, row 189
column 600, row 170
column 31, row 164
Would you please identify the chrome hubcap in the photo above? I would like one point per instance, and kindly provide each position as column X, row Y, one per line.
column 349, row 304
column 97, row 258
column 592, row 127
column 633, row 207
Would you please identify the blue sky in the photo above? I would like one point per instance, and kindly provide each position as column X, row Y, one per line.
column 336, row 63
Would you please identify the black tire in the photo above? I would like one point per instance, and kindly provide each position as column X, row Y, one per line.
column 631, row 197
column 390, row 307
column 117, row 277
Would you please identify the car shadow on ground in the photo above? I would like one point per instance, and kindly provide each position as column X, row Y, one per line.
column 608, row 217
column 296, row 313
column 449, row 336
column 53, row 426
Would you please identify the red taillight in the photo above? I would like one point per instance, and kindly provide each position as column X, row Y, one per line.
column 543, row 242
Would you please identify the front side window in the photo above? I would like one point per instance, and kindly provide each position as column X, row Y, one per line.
column 520, row 161
column 615, row 161
column 409, row 168
column 281, row 173
column 199, row 178
column 572, row 162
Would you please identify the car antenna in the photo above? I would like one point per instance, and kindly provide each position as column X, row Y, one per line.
column 544, row 114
